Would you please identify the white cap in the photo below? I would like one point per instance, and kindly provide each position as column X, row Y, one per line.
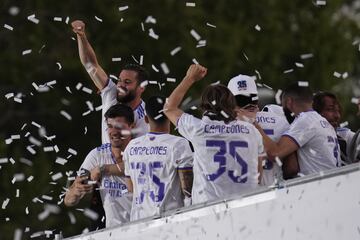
column 275, row 109
column 243, row 85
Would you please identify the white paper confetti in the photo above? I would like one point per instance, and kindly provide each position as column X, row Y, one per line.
column 195, row 34
column 8, row 27
column 25, row 52
column 18, row 100
column 17, row 193
column 61, row 161
column 153, row 34
column 98, row 19
column 59, row 65
column 306, row 55
column 165, row 68
column 5, row 203
column 18, row 234
column 27, row 210
column 141, row 59
column 31, row 150
column 123, row 8
column 72, row 151
column 190, row 4
column 57, row 176
column 4, row 160
column 78, row 86
column 116, row 59
column 169, row 79
column 320, row 3
column 57, row 19
column 33, row 19
column 66, row 115
column 9, row 95
column 303, row 84
column 337, row 74
column 210, row 25
column 257, row 27
column 355, row 100
column 87, row 90
column 289, row 71
column 175, row 51
column 300, row 65
column 30, row 178
column 194, row 61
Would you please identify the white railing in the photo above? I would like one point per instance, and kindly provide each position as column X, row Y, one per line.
column 322, row 206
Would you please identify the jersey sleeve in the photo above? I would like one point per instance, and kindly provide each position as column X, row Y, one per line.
column 91, row 161
column 108, row 96
column 187, row 125
column 126, row 161
column 183, row 155
column 300, row 132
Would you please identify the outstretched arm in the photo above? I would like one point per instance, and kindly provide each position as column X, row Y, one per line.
column 88, row 56
column 171, row 108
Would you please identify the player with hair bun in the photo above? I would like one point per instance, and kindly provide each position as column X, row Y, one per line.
column 226, row 150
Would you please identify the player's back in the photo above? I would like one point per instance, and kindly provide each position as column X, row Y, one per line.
column 152, row 162
column 225, row 156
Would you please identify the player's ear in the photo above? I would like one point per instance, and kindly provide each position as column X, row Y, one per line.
column 146, row 119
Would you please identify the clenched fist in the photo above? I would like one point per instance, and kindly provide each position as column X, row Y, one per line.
column 78, row 27
column 196, row 72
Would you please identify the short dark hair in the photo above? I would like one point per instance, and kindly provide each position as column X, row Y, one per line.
column 318, row 100
column 154, row 109
column 302, row 94
column 142, row 74
column 120, row 110
column 218, row 98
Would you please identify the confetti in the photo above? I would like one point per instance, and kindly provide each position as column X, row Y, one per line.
column 154, row 68
column 344, row 124
column 66, row 115
column 72, row 218
column 195, row 35
column 18, row 100
column 9, row 95
column 169, row 79
column 8, row 27
column 67, row 20
column 4, row 160
column 26, row 161
column 201, row 43
column 150, row 19
column 320, row 3
column 289, row 71
column 210, row 25
column 18, row 234
column 336, row 74
column 164, row 68
column 175, row 51
column 153, row 34
column 87, row 90
column 78, row 86
column 32, row 18
column 123, row 8
column 56, row 176
column 59, row 65
column 72, row 151
column 17, row 193
column 31, row 150
column 303, row 84
column 277, row 96
column 345, row 75
column 46, row 197
column 224, row 114
column 30, row 178
column 141, row 60
column 306, row 56
column 57, row 19
column 142, row 27
column 278, row 161
column 98, row 19
column 25, row 52
column 8, row 141
column 190, row 4
column 257, row 27
column 194, row 61
column 5, row 203
column 300, row 65
column 117, row 59
column 85, row 130
column 48, row 149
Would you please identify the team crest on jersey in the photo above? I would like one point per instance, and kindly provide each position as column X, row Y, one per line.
column 242, row 85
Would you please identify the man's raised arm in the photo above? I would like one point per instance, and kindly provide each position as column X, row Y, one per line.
column 88, row 56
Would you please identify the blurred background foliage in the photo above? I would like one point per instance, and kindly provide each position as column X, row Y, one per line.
column 263, row 38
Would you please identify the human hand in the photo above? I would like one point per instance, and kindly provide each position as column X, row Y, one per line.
column 196, row 72
column 81, row 187
column 95, row 174
column 78, row 27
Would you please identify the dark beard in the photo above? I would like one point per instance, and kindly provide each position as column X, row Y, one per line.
column 289, row 115
column 130, row 95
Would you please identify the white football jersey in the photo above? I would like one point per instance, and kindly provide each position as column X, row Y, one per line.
column 113, row 191
column 225, row 156
column 318, row 145
column 152, row 161
column 274, row 125
column 108, row 97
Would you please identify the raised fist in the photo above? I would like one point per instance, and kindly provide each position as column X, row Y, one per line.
column 196, row 72
column 78, row 27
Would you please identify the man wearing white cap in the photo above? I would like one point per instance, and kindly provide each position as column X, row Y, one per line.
column 272, row 121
